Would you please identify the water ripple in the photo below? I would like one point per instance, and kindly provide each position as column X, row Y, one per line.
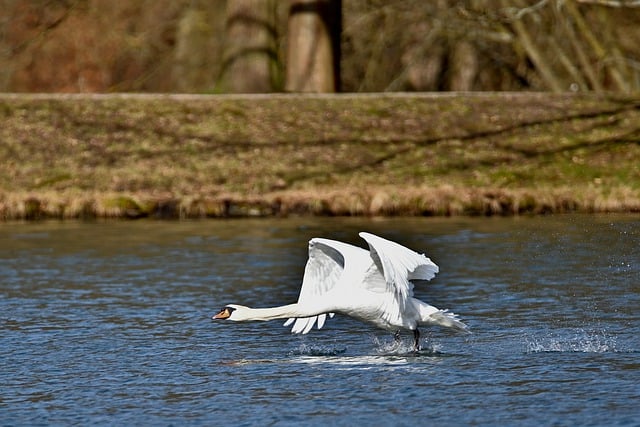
column 109, row 323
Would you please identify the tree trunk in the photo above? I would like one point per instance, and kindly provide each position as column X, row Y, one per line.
column 313, row 46
column 250, row 60
column 463, row 66
column 197, row 51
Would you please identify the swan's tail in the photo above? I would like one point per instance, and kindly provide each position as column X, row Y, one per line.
column 448, row 320
column 430, row 315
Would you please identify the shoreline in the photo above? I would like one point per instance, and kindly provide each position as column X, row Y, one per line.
column 427, row 203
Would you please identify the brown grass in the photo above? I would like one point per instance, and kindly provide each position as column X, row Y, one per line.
column 219, row 156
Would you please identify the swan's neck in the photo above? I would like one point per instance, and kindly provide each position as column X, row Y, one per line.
column 282, row 312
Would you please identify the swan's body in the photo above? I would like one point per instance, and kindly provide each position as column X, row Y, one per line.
column 373, row 286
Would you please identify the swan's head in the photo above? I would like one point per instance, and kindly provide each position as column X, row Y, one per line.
column 232, row 312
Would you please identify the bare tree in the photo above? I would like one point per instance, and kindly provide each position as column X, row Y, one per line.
column 358, row 46
column 557, row 45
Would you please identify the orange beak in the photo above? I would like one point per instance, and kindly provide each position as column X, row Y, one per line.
column 224, row 314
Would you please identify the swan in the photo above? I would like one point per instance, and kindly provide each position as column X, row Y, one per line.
column 374, row 286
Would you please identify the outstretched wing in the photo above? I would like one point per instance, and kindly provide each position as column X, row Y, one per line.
column 324, row 268
column 399, row 265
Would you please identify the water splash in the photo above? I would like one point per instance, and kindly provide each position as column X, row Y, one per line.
column 394, row 347
column 581, row 341
column 315, row 350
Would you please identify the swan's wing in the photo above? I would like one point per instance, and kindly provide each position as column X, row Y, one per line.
column 324, row 268
column 399, row 265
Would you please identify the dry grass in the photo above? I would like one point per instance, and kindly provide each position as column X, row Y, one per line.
column 189, row 156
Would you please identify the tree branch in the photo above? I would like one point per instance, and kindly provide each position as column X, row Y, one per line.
column 612, row 3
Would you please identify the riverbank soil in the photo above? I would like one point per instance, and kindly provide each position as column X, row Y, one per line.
column 177, row 156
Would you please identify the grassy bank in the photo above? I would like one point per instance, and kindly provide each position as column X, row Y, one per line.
column 208, row 156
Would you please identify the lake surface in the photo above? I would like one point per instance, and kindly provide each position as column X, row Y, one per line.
column 109, row 323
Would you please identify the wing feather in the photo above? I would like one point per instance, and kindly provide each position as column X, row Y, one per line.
column 323, row 271
column 399, row 265
column 387, row 268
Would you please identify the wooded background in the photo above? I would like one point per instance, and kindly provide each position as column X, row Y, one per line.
column 218, row 46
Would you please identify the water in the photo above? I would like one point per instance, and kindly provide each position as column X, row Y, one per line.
column 109, row 323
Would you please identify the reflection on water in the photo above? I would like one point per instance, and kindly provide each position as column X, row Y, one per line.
column 108, row 323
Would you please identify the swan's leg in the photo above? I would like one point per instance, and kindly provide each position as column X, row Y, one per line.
column 416, row 339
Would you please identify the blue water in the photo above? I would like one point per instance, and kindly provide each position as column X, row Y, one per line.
column 109, row 323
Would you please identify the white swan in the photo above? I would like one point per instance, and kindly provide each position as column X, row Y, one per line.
column 373, row 286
